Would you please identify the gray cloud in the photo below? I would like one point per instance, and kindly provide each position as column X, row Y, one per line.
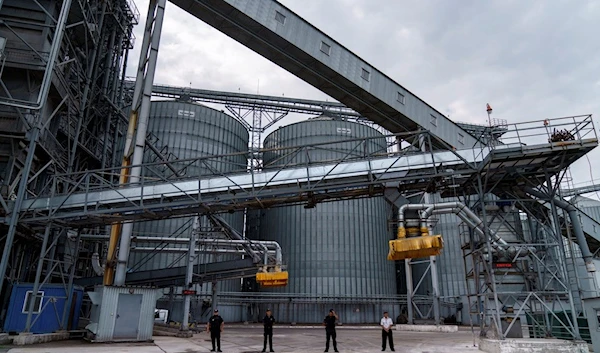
column 531, row 60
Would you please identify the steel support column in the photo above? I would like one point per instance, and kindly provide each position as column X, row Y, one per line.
column 144, row 80
column 189, row 276
column 409, row 292
column 435, row 285
column 65, row 317
column 214, row 296
column 38, row 275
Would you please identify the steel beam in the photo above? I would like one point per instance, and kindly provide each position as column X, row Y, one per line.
column 265, row 185
column 271, row 30
column 175, row 276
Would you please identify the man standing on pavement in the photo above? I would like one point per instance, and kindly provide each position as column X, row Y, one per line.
column 268, row 322
column 386, row 332
column 329, row 323
column 215, row 327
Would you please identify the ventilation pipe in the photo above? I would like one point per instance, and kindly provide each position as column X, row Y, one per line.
column 464, row 213
column 572, row 212
column 409, row 207
column 98, row 268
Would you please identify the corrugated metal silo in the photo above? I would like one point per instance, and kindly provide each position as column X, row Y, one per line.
column 337, row 248
column 183, row 131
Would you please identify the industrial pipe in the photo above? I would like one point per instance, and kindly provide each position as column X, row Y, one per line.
column 200, row 250
column 407, row 207
column 463, row 212
column 143, row 114
column 496, row 242
column 572, row 212
column 98, row 268
column 458, row 208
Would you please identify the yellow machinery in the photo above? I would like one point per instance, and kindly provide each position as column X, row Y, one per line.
column 420, row 245
column 272, row 279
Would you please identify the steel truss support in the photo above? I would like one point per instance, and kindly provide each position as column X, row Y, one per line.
column 529, row 288
column 37, row 125
column 258, row 113
column 51, row 238
column 418, row 304
column 134, row 148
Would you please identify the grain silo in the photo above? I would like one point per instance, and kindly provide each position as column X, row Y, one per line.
column 184, row 131
column 336, row 251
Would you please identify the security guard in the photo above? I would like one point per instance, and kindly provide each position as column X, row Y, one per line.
column 215, row 326
column 386, row 324
column 329, row 323
column 268, row 322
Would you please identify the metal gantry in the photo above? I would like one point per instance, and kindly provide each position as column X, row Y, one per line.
column 61, row 78
column 499, row 171
column 71, row 125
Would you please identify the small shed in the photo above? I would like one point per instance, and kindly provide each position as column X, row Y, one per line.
column 48, row 311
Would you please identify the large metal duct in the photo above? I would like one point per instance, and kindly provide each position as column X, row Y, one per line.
column 183, row 131
column 337, row 248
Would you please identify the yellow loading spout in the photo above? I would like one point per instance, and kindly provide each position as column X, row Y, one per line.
column 272, row 279
column 415, row 247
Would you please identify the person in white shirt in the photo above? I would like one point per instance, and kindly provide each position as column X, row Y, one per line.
column 386, row 332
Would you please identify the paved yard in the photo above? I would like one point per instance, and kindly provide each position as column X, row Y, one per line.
column 248, row 339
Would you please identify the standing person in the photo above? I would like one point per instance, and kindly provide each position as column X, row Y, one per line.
column 215, row 326
column 386, row 332
column 268, row 322
column 329, row 323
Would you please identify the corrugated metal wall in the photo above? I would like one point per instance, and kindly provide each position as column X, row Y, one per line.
column 108, row 312
column 184, row 131
column 337, row 248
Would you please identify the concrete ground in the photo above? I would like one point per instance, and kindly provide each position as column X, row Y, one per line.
column 248, row 339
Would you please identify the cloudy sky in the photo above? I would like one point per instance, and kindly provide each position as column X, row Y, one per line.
column 530, row 60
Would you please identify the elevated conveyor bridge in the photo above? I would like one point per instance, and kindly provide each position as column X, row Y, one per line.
column 281, row 36
column 87, row 198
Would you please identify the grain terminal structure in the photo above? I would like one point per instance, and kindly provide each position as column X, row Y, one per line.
column 306, row 219
column 336, row 251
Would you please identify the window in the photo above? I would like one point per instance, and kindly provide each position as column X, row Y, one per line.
column 325, row 48
column 37, row 307
column 400, row 98
column 433, row 120
column 279, row 17
column 461, row 138
column 365, row 75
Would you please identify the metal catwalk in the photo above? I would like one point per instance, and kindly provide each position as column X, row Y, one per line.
column 87, row 198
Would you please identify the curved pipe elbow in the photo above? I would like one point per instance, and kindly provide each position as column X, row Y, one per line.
column 99, row 269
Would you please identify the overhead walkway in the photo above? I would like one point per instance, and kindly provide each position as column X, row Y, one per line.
column 87, row 198
column 286, row 39
column 96, row 202
column 580, row 190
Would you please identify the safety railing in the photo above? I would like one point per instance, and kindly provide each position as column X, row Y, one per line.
column 208, row 166
column 556, row 132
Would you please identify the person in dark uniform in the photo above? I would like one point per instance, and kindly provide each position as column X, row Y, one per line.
column 329, row 323
column 215, row 326
column 268, row 322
